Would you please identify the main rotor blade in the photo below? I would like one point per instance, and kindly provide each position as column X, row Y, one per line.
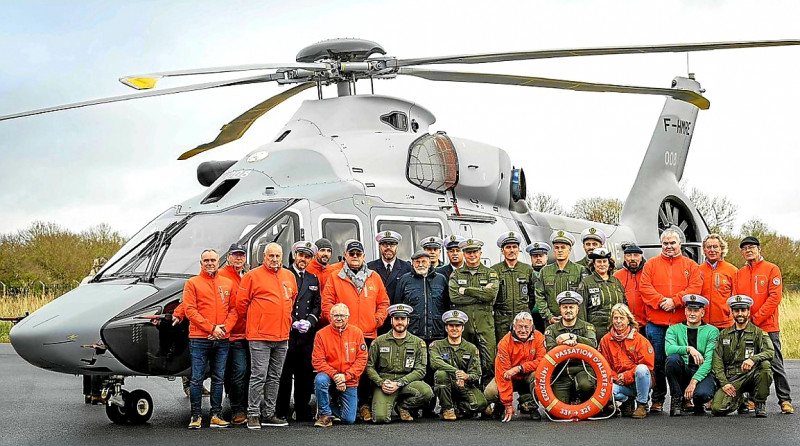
column 598, row 51
column 528, row 81
column 236, row 128
column 147, row 94
column 148, row 81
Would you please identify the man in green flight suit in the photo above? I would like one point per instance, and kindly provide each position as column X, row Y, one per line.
column 473, row 290
column 555, row 278
column 539, row 254
column 396, row 365
column 516, row 281
column 575, row 382
column 741, row 362
column 591, row 239
column 457, row 370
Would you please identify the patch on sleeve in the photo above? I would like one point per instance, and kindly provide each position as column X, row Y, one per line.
column 776, row 281
column 363, row 347
column 650, row 350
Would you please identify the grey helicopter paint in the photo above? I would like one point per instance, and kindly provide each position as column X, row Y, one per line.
column 344, row 167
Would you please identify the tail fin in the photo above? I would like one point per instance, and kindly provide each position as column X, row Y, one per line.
column 655, row 201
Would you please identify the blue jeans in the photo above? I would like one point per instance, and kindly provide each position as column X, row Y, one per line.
column 344, row 408
column 656, row 335
column 204, row 352
column 679, row 375
column 237, row 375
column 639, row 389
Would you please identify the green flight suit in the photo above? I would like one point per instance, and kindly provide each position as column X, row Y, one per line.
column 516, row 285
column 578, row 380
column 599, row 296
column 402, row 360
column 553, row 281
column 446, row 359
column 584, row 262
column 733, row 348
column 480, row 291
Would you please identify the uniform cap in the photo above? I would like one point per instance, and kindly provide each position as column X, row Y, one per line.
column 593, row 233
column 749, row 241
column 419, row 254
column 694, row 301
column 390, row 237
column 353, row 245
column 538, row 248
column 569, row 297
column 236, row 247
column 305, row 247
column 400, row 310
column 453, row 241
column 431, row 242
column 632, row 248
column 600, row 253
column 323, row 243
column 562, row 237
column 471, row 244
column 455, row 317
column 740, row 301
column 507, row 238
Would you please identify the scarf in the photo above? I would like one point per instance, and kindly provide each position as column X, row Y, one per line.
column 621, row 336
column 357, row 277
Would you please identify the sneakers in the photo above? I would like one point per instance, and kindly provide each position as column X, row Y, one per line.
column 196, row 422
column 364, row 413
column 323, row 421
column 449, row 415
column 744, row 408
column 627, row 408
column 761, row 410
column 641, row 411
column 675, row 404
column 274, row 421
column 239, row 418
column 657, row 406
column 218, row 422
column 787, row 408
column 253, row 422
column 688, row 405
column 405, row 415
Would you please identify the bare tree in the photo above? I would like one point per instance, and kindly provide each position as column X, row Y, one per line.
column 718, row 212
column 599, row 209
column 546, row 204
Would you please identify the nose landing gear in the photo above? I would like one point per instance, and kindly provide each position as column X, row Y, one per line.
column 123, row 407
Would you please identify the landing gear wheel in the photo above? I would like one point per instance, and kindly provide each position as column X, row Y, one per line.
column 138, row 407
column 115, row 413
column 673, row 214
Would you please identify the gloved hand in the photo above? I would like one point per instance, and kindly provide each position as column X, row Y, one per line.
column 296, row 325
column 303, row 325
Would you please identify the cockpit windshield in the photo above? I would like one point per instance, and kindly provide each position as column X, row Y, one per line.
column 172, row 243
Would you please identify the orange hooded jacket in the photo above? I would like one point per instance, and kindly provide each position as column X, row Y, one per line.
column 266, row 297
column 718, row 285
column 671, row 277
column 762, row 281
column 631, row 281
column 624, row 356
column 340, row 352
column 207, row 303
column 511, row 352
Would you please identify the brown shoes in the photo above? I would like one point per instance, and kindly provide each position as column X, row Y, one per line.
column 239, row 418
column 364, row 413
column 656, row 406
column 405, row 415
column 449, row 415
column 323, row 421
column 641, row 411
column 787, row 408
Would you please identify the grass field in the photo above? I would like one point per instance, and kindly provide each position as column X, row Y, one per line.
column 790, row 317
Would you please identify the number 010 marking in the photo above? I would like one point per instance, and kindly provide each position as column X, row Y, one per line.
column 671, row 158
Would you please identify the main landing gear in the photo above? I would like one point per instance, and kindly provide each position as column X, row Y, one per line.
column 123, row 407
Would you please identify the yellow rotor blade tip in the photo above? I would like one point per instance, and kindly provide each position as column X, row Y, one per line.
column 141, row 83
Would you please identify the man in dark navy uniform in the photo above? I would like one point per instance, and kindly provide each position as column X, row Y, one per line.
column 389, row 267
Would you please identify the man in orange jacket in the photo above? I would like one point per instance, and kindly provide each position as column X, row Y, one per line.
column 518, row 356
column 340, row 357
column 319, row 266
column 631, row 275
column 718, row 281
column 665, row 280
column 207, row 302
column 362, row 290
column 267, row 296
column 237, row 371
column 762, row 281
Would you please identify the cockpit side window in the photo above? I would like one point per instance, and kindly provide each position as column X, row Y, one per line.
column 413, row 232
column 284, row 230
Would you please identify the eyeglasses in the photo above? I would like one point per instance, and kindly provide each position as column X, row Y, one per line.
column 340, row 316
column 355, row 254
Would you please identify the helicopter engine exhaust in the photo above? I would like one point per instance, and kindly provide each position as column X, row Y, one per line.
column 210, row 171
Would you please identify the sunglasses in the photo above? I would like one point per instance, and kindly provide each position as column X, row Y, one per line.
column 355, row 254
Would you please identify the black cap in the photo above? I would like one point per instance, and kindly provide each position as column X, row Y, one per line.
column 323, row 243
column 354, row 245
column 237, row 248
column 749, row 241
column 632, row 248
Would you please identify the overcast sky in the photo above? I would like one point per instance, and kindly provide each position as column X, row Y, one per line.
column 117, row 163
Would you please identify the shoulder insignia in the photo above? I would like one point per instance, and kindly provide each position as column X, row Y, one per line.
column 422, row 343
column 589, row 326
column 476, row 351
column 650, row 349
column 363, row 347
column 546, row 331
column 776, row 281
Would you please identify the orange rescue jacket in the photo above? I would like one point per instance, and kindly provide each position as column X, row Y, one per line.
column 207, row 303
column 718, row 286
column 511, row 352
column 630, row 281
column 624, row 356
column 237, row 332
column 671, row 277
column 367, row 309
column 266, row 297
column 762, row 281
column 340, row 352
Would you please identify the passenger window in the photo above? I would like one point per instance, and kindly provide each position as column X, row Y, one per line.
column 413, row 232
column 285, row 230
column 339, row 231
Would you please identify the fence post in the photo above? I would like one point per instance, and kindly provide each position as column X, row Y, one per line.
column 44, row 288
column 4, row 288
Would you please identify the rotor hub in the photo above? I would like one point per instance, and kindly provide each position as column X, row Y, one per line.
column 341, row 50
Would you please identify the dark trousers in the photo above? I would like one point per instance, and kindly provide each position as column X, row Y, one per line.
column 237, row 375
column 679, row 374
column 298, row 366
column 365, row 385
column 656, row 335
column 782, row 390
column 538, row 322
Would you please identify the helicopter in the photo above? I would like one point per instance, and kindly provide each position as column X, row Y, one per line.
column 345, row 167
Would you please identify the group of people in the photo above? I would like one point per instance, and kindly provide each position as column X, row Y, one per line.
column 370, row 339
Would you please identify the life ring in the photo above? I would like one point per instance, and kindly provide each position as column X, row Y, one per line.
column 586, row 409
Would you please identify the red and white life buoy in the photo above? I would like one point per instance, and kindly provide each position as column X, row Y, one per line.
column 586, row 409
